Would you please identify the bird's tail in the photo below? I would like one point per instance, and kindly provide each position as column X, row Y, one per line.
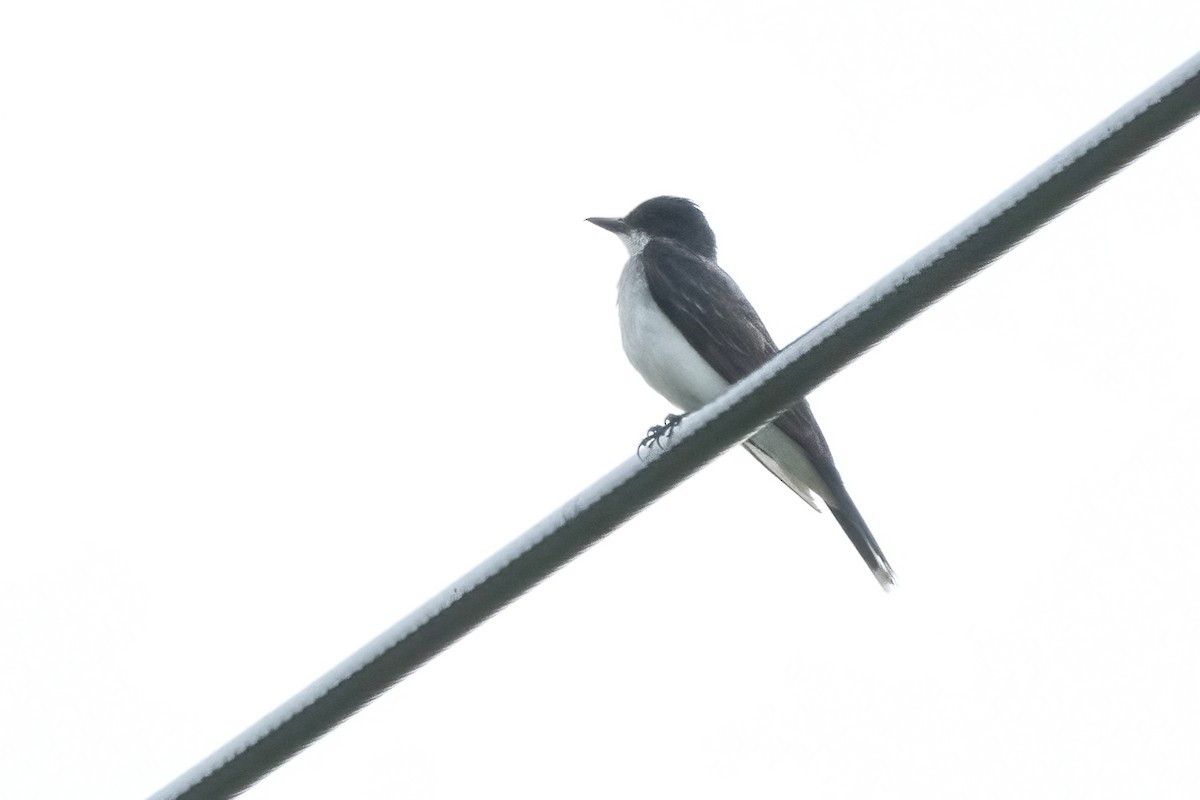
column 856, row 528
column 787, row 461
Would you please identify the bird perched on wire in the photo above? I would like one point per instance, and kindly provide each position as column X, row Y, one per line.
column 691, row 333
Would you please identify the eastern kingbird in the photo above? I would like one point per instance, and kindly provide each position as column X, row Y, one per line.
column 691, row 333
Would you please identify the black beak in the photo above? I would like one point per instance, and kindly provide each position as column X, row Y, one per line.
column 610, row 224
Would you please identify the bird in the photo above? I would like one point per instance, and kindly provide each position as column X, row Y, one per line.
column 691, row 333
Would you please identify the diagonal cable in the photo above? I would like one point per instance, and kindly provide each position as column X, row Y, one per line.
column 799, row 368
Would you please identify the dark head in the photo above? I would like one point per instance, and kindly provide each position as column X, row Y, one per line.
column 664, row 218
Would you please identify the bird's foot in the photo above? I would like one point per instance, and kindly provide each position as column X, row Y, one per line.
column 656, row 433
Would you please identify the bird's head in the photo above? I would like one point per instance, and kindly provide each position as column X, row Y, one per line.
column 673, row 218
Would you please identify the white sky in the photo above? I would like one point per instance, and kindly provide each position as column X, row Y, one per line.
column 300, row 320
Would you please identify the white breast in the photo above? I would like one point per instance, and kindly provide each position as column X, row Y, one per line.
column 658, row 350
column 675, row 370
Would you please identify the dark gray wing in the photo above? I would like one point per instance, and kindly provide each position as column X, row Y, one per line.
column 715, row 317
column 711, row 312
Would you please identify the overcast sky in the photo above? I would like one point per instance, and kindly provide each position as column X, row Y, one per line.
column 300, row 320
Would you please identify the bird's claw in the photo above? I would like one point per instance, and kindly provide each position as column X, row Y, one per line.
column 656, row 433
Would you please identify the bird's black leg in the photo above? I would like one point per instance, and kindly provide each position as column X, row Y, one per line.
column 656, row 433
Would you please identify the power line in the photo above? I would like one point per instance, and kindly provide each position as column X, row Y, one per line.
column 797, row 370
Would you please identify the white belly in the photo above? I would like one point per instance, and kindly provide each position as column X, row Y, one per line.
column 788, row 461
column 658, row 350
column 676, row 371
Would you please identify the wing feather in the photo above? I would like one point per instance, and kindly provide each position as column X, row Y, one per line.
column 715, row 317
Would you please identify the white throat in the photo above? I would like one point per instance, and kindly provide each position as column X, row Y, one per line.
column 635, row 242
